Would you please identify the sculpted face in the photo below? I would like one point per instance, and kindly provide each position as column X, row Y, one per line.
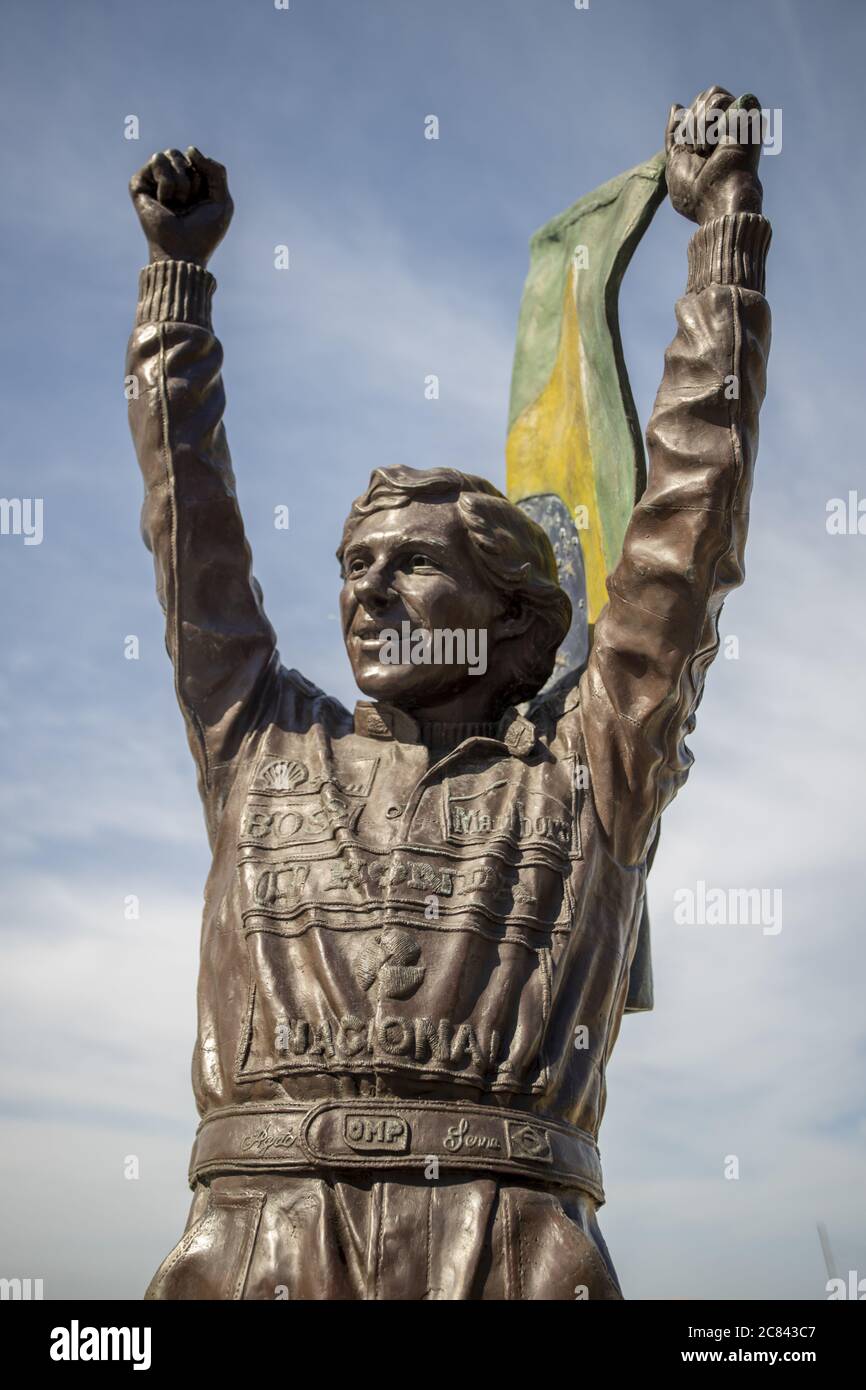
column 415, row 565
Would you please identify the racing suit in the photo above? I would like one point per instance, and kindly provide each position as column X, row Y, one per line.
column 417, row 938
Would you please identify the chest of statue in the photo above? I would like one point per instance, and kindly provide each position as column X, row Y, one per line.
column 404, row 913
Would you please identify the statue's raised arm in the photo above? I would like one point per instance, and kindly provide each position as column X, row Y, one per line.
column 683, row 550
column 219, row 640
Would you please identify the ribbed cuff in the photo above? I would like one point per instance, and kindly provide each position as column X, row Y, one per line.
column 175, row 292
column 730, row 250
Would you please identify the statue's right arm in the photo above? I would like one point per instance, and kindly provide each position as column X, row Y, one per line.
column 220, row 642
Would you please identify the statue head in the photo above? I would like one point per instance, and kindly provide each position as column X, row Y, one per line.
column 434, row 551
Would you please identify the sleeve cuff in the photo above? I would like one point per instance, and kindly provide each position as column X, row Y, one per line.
column 730, row 250
column 175, row 292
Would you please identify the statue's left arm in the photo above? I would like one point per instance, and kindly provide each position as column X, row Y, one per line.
column 683, row 550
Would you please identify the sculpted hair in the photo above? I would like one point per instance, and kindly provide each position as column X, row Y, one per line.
column 511, row 550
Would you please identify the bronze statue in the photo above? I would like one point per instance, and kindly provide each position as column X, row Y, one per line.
column 421, row 916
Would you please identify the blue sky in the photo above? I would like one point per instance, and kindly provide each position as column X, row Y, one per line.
column 408, row 257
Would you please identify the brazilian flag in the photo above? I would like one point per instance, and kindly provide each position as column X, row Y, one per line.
column 574, row 454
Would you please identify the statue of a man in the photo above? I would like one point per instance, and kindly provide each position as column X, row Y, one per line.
column 420, row 918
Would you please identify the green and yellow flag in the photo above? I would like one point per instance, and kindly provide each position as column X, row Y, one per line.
column 574, row 454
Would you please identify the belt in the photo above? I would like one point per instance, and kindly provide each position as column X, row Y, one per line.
column 397, row 1136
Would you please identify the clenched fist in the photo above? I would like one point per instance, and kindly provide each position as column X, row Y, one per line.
column 713, row 148
column 183, row 204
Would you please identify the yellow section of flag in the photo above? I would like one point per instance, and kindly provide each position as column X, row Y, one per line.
column 548, row 451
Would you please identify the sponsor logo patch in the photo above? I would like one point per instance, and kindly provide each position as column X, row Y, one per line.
column 376, row 1133
column 501, row 811
column 276, row 775
column 528, row 1141
column 391, row 962
column 298, row 822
